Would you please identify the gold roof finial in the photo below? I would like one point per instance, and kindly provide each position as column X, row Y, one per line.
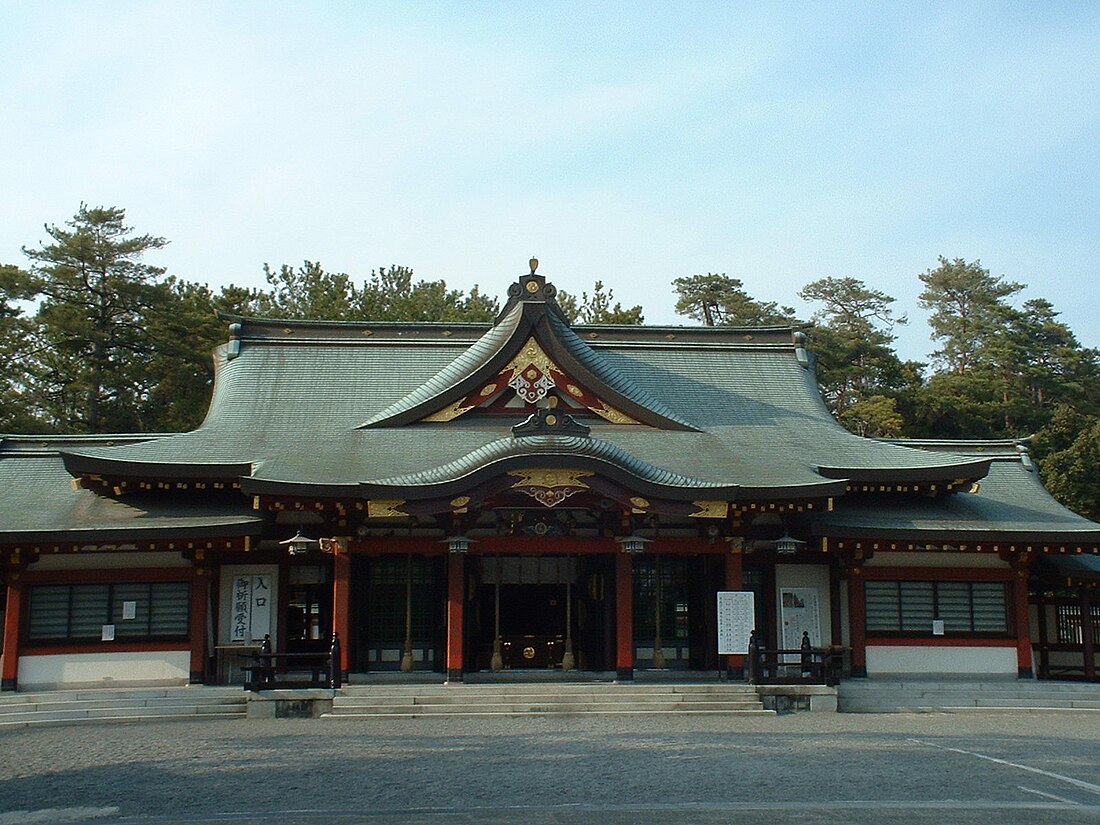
column 534, row 262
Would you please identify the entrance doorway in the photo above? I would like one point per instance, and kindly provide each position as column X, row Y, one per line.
column 538, row 606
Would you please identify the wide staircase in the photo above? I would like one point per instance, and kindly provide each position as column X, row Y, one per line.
column 68, row 707
column 380, row 700
column 910, row 695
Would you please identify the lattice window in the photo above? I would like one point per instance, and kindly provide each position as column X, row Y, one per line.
column 910, row 607
column 137, row 610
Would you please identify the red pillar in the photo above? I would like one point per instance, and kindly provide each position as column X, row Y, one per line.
column 735, row 663
column 857, row 621
column 1023, row 625
column 341, row 606
column 624, row 616
column 14, row 611
column 456, row 593
column 200, row 597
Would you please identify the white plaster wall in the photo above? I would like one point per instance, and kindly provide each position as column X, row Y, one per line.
column 888, row 659
column 108, row 561
column 815, row 576
column 168, row 667
column 957, row 559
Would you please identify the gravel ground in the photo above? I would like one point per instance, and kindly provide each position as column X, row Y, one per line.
column 820, row 767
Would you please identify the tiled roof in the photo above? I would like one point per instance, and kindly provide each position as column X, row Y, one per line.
column 1010, row 503
column 38, row 503
column 290, row 405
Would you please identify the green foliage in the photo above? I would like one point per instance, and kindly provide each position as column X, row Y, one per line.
column 1070, row 473
column 875, row 417
column 853, row 345
column 15, row 351
column 95, row 293
column 597, row 308
column 718, row 300
column 308, row 292
column 968, row 310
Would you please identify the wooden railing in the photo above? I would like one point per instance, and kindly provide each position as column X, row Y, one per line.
column 804, row 665
column 275, row 671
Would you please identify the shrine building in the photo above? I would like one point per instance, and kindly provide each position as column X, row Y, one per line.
column 453, row 498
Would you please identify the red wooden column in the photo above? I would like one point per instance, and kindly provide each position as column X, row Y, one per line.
column 1023, row 625
column 1088, row 636
column 857, row 620
column 624, row 616
column 341, row 605
column 200, row 598
column 456, row 593
column 735, row 663
column 14, row 611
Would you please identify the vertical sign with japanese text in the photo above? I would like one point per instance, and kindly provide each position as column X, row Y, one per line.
column 250, row 608
column 736, row 620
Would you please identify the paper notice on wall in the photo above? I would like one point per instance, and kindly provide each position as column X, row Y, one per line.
column 800, row 612
column 736, row 620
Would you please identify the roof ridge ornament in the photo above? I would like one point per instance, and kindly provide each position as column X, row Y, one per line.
column 551, row 422
column 530, row 288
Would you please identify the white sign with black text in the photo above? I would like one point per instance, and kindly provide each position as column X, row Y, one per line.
column 736, row 620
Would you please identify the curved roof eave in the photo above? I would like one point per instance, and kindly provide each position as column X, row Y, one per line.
column 970, row 469
column 79, row 464
column 581, row 453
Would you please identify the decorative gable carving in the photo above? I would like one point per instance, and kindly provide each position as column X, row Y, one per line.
column 532, row 354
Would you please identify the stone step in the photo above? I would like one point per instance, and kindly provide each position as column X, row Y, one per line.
column 414, row 711
column 540, row 698
column 548, row 706
column 46, row 706
column 544, row 689
column 46, row 720
column 880, row 696
column 57, row 707
column 76, row 713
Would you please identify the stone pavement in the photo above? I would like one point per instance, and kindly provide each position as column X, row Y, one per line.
column 805, row 768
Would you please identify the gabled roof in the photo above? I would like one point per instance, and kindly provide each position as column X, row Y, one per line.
column 329, row 408
column 530, row 330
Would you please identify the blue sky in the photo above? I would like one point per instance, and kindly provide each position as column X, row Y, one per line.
column 628, row 142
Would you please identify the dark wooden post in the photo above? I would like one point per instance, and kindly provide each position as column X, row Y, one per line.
column 857, row 620
column 13, row 612
column 1023, row 622
column 456, row 593
column 200, row 598
column 1044, row 637
column 624, row 616
column 335, row 667
column 1088, row 636
column 753, row 669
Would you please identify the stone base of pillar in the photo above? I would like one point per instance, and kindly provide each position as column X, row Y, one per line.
column 196, row 677
column 625, row 674
column 454, row 675
column 735, row 673
column 7, row 684
column 1026, row 673
column 859, row 671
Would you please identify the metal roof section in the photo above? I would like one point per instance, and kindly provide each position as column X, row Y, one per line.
column 42, row 504
column 530, row 332
column 1009, row 504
